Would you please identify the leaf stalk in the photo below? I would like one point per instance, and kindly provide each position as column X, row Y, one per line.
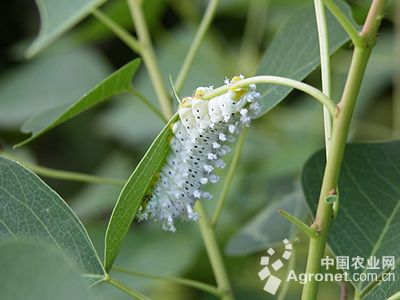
column 65, row 175
column 306, row 88
column 131, row 292
column 119, row 31
column 183, row 281
column 309, row 231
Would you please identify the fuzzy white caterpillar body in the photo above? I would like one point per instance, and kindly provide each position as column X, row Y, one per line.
column 200, row 140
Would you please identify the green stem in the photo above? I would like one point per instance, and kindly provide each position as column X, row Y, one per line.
column 149, row 105
column 119, row 31
column 325, row 67
column 310, row 232
column 194, row 48
column 229, row 179
column 346, row 23
column 65, row 175
column 149, row 57
column 372, row 22
column 313, row 92
column 187, row 282
column 119, row 285
column 324, row 215
column 214, row 254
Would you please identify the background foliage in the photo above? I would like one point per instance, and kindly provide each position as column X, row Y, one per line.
column 110, row 139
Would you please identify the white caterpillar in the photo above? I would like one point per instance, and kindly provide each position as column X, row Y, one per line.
column 200, row 139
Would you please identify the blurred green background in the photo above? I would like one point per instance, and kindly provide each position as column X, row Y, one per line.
column 109, row 140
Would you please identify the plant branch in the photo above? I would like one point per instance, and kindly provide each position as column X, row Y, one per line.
column 229, row 178
column 195, row 45
column 183, row 281
column 119, row 285
column 341, row 125
column 149, row 57
column 64, row 175
column 308, row 89
column 345, row 22
column 119, row 31
column 214, row 253
column 373, row 21
column 309, row 231
column 325, row 67
column 342, row 120
column 150, row 105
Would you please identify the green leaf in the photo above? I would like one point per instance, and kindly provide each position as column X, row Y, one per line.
column 268, row 227
column 31, row 209
column 133, row 192
column 38, row 272
column 52, row 79
column 117, row 82
column 386, row 289
column 58, row 17
column 369, row 193
column 294, row 52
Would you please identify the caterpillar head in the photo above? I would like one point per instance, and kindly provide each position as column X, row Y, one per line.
column 201, row 91
column 235, row 99
column 185, row 102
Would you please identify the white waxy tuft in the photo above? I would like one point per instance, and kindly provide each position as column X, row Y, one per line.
column 222, row 137
column 204, row 180
column 220, row 164
column 208, row 168
column 215, row 145
column 211, row 156
column 197, row 194
column 231, row 128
